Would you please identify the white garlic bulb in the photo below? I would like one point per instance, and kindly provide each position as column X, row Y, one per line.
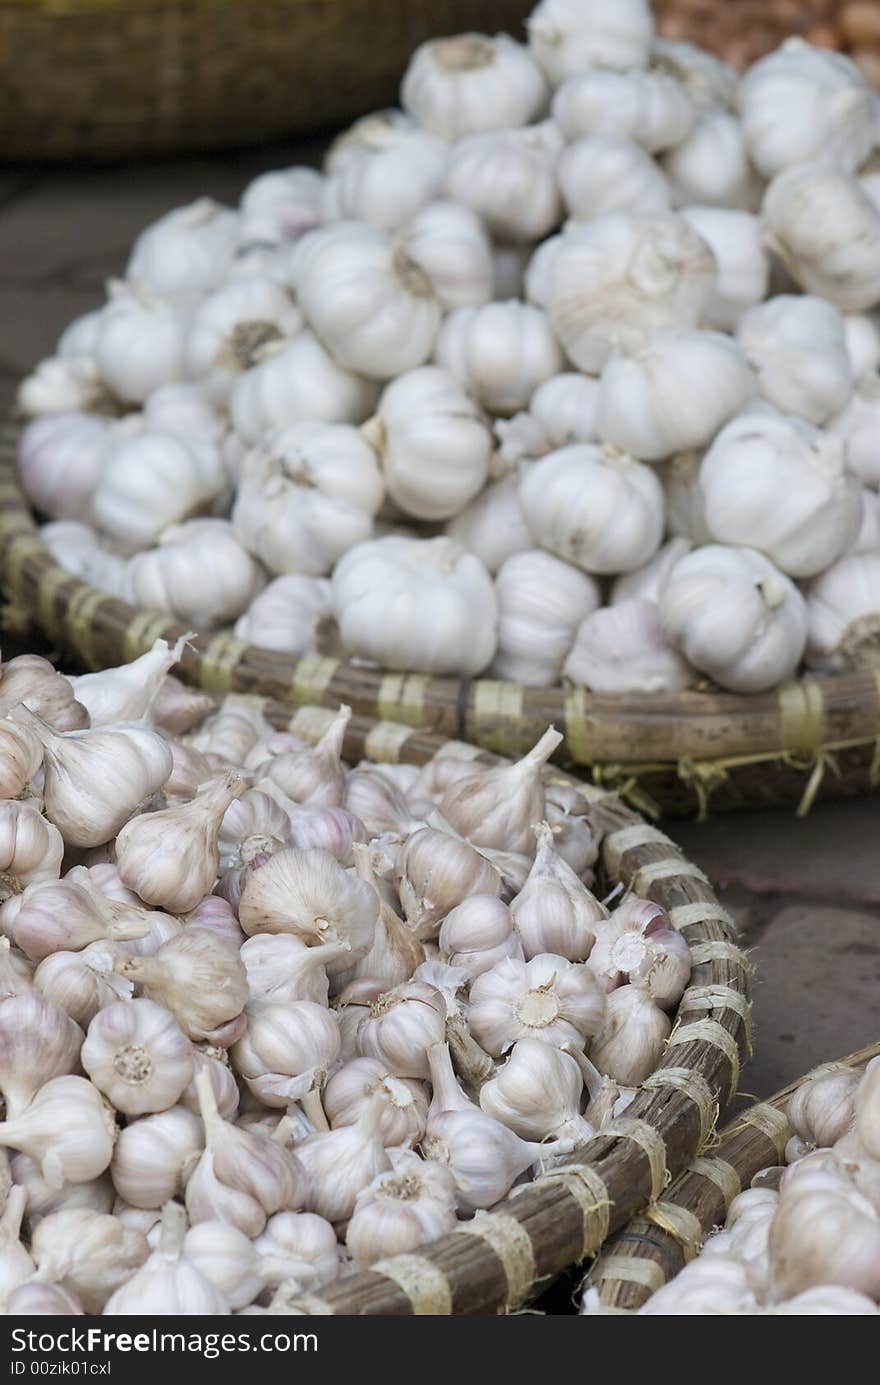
column 82, row 983
column 184, row 254
column 598, row 509
column 306, row 497
column 826, row 231
column 781, row 486
column 822, row 1109
column 632, row 1038
column 139, row 344
column 742, row 265
column 168, row 1284
column 402, row 1025
column 21, row 758
column 604, row 173
column 127, row 693
column 541, row 602
column 650, row 107
column 154, row 1156
column 402, row 1210
column 282, row 967
column 449, row 242
column 16, row 972
column 89, row 1253
column 227, row 1259
column 308, row 894
column 857, row 425
column 419, row 604
column 548, row 998
column 199, row 572
column 537, row 1092
column 622, row 648
column 497, row 807
column 390, row 174
column 804, row 102
column 614, row 280
column 60, row 915
column 31, row 849
column 569, row 36
column 294, row 382
column 735, row 617
column 232, row 324
column 138, row 1056
column 153, row 480
column 508, row 177
column 555, row 912
column 493, row 527
column 500, row 353
column 287, row 1051
column 339, row 1163
column 29, row 679
column 198, row 977
column 637, row 944
column 824, row 1232
column 862, row 345
column 843, row 613
column 298, row 1249
column 68, row 1130
column 433, row 444
column 16, row 1265
column 708, row 79
column 484, row 1156
column 38, row 1041
column 437, row 870
column 709, row 1285
column 282, row 205
column 685, row 507
column 711, row 167
column 353, row 1087
column 797, row 347
column 561, row 411
column 80, row 550
column 293, row 614
column 62, row 384
column 60, row 457
column 460, row 86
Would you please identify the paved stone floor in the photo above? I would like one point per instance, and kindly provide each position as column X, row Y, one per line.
column 805, row 893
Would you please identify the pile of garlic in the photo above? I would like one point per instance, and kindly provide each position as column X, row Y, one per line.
column 265, row 1018
column 566, row 369
column 805, row 1238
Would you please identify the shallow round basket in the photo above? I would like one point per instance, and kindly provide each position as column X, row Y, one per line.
column 503, row 1258
column 677, row 754
column 111, row 78
column 658, row 1243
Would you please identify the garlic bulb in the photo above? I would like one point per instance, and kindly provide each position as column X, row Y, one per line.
column 637, row 944
column 797, row 346
column 62, row 384
column 138, row 1056
column 650, row 107
column 198, row 977
column 308, row 894
column 548, row 998
column 554, row 912
column 449, row 242
column 233, row 731
column 38, row 1041
column 867, row 1124
column 68, row 1130
column 508, row 177
column 306, row 497
column 294, row 382
column 463, row 85
column 477, row 934
column 138, row 344
column 497, row 807
column 33, row 681
column 21, row 757
column 632, row 1038
column 500, row 353
column 561, row 411
column 281, row 206
column 493, row 527
column 82, row 983
column 48, row 1300
column 396, row 951
column 735, row 617
column 298, row 1248
column 537, row 1093
column 598, row 509
column 843, row 613
column 438, row 870
column 541, row 602
column 154, row 1155
column 339, row 1163
column 168, row 1283
column 284, row 968
column 857, row 425
column 89, row 1253
column 710, row 167
column 824, row 1232
column 826, row 231
column 394, row 171
column 287, row 1051
column 61, row 916
column 402, row 1210
column 622, row 648
column 402, row 1025
column 31, row 849
column 822, row 1109
column 685, row 509
column 60, row 457
column 570, row 36
column 80, row 550
column 708, row 1286
column 708, row 79
column 673, row 394
column 184, row 254
column 127, row 693
column 604, row 173
column 16, row 1265
column 781, row 486
column 232, row 324
column 227, row 1259
column 95, row 780
column 199, row 572
column 151, row 481
column 803, row 102
column 293, row 614
column 419, row 604
column 616, row 279
column 742, row 264
column 433, row 444
column 44, row 1197
column 830, row 1300
column 351, row 1089
column 186, row 410
column 484, row 1156
column 862, row 345
column 371, row 305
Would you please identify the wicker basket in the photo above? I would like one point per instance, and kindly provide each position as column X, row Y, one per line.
column 677, row 754
column 109, row 78
column 502, row 1258
column 656, row 1245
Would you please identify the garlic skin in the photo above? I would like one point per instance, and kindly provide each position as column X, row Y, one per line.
column 293, row 614
column 616, row 279
column 843, row 604
column 281, row 206
column 781, row 487
column 351, row 1089
column 802, row 102
column 742, row 264
column 339, row 1163
column 797, row 346
column 168, row 1283
column 91, row 1254
column 437, row 871
column 151, row 481
column 537, row 1092
column 308, row 894
column 672, row 395
column 711, row 165
column 287, row 1051
column 44, row 1197
column 595, row 508
column 632, row 1038
column 127, row 693
column 434, row 446
column 402, row 1210
column 826, row 231
column 16, row 972
column 60, row 457
column 541, row 602
column 371, row 305
column 214, row 1063
column 154, row 1155
column 493, row 527
column 508, row 177
column 823, row 1108
column 68, row 1130
column 735, row 617
column 548, row 998
column 397, row 170
column 449, row 242
column 31, row 849
column 198, row 572
column 555, row 912
column 82, row 983
column 685, row 507
column 500, row 353
column 650, row 107
column 138, row 344
column 231, row 325
column 622, row 648
column 824, row 1232
column 306, row 496
column 464, row 85
column 95, row 780
column 604, row 173
column 420, row 604
column 570, row 36
column 61, row 915
column 16, row 1265
column 138, row 1056
column 170, row 858
column 199, row 977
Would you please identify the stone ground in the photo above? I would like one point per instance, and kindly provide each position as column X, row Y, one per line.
column 806, row 894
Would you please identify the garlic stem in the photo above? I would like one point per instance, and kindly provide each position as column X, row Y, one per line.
column 333, row 738
column 472, row 1062
column 540, row 753
column 313, row 1107
column 593, row 1079
column 448, row 1095
column 13, row 1213
column 211, row 1118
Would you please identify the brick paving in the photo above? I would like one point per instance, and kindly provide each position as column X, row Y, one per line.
column 805, row 893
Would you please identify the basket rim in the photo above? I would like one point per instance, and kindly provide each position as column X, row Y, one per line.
column 657, row 1244
column 701, row 736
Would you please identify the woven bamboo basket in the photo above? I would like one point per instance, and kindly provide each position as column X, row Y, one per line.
column 676, row 754
column 503, row 1258
column 110, row 78
column 658, row 1243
